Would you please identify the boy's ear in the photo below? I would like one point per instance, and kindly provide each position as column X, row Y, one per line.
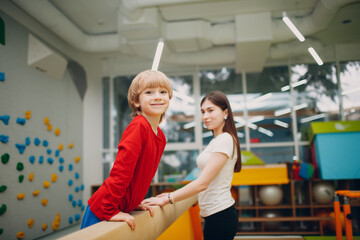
column 136, row 104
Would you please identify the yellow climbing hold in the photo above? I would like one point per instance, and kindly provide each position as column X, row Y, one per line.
column 49, row 127
column 31, row 176
column 46, row 184
column 57, row 132
column 36, row 193
column 53, row 177
column 27, row 114
column 77, row 159
column 71, row 145
column 20, row 196
column 56, row 222
column 20, row 235
column 46, row 121
column 44, row 227
column 44, row 202
column 30, row 223
column 61, row 147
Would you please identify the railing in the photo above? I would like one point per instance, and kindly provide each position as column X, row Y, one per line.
column 147, row 227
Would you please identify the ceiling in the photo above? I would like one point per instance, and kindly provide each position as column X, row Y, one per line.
column 245, row 33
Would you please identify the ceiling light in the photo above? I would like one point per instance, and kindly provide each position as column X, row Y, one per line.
column 288, row 110
column 308, row 119
column 183, row 97
column 266, row 132
column 292, row 27
column 287, row 87
column 261, row 98
column 315, row 56
column 157, row 56
column 281, row 124
column 351, row 91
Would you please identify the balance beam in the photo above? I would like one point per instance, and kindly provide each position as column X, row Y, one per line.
column 147, row 227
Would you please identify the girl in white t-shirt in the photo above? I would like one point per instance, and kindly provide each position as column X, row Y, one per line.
column 217, row 162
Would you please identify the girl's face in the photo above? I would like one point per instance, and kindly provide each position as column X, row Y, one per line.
column 153, row 102
column 213, row 117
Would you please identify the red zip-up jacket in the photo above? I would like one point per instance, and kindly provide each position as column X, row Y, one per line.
column 139, row 154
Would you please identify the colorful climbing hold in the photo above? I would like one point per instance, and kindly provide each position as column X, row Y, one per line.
column 73, row 203
column 71, row 167
column 20, row 196
column 77, row 175
column 57, row 152
column 44, row 202
column 45, row 143
column 32, row 159
column 79, row 202
column 49, row 127
column 49, row 151
column 61, row 168
column 20, row 147
column 77, row 217
column 71, row 197
column 41, row 159
column 31, row 176
column 30, row 223
column 28, row 114
column 27, row 141
column 5, row 119
column 61, row 147
column 77, row 159
column 3, row 188
column 61, row 160
column 77, row 189
column 36, row 192
column 37, row 141
column 20, row 166
column 53, row 177
column 20, row 235
column 4, row 138
column 82, row 187
column 70, row 182
column 57, row 132
column 50, row 160
column 46, row 121
column 2, row 77
column 2, row 209
column 5, row 158
column 71, row 145
column 46, row 184
column 56, row 222
column 21, row 121
column 71, row 220
column 21, row 178
column 44, row 227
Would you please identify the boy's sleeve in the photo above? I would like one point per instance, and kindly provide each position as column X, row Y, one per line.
column 129, row 150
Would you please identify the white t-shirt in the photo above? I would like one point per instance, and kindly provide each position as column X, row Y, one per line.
column 217, row 196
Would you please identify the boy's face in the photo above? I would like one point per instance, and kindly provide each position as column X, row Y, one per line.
column 153, row 101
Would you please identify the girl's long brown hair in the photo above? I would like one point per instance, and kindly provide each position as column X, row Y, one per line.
column 219, row 99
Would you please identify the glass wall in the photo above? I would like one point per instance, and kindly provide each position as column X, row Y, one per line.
column 272, row 109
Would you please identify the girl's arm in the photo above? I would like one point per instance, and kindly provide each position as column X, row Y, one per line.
column 211, row 170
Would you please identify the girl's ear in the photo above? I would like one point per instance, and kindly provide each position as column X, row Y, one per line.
column 226, row 113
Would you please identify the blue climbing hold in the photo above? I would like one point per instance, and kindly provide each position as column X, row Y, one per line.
column 71, row 220
column 27, row 141
column 71, row 197
column 61, row 160
column 21, row 121
column 32, row 159
column 49, row 151
column 70, row 182
column 77, row 217
column 5, row 119
column 71, row 167
column 20, row 147
column 61, row 168
column 57, row 153
column 50, row 160
column 4, row 138
column 77, row 175
column 45, row 143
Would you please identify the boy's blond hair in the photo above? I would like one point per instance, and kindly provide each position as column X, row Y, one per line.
column 146, row 79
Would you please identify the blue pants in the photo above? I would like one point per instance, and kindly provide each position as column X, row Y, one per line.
column 89, row 218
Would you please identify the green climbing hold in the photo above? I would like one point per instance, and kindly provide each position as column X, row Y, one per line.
column 20, row 166
column 21, row 178
column 2, row 209
column 3, row 188
column 5, row 158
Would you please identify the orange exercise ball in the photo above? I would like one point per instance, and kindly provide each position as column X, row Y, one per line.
column 331, row 224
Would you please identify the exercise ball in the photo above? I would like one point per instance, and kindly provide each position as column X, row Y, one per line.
column 330, row 224
column 273, row 225
column 323, row 192
column 270, row 195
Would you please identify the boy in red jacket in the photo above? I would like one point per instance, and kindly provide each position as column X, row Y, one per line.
column 139, row 152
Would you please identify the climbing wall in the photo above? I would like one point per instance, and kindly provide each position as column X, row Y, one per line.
column 40, row 144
